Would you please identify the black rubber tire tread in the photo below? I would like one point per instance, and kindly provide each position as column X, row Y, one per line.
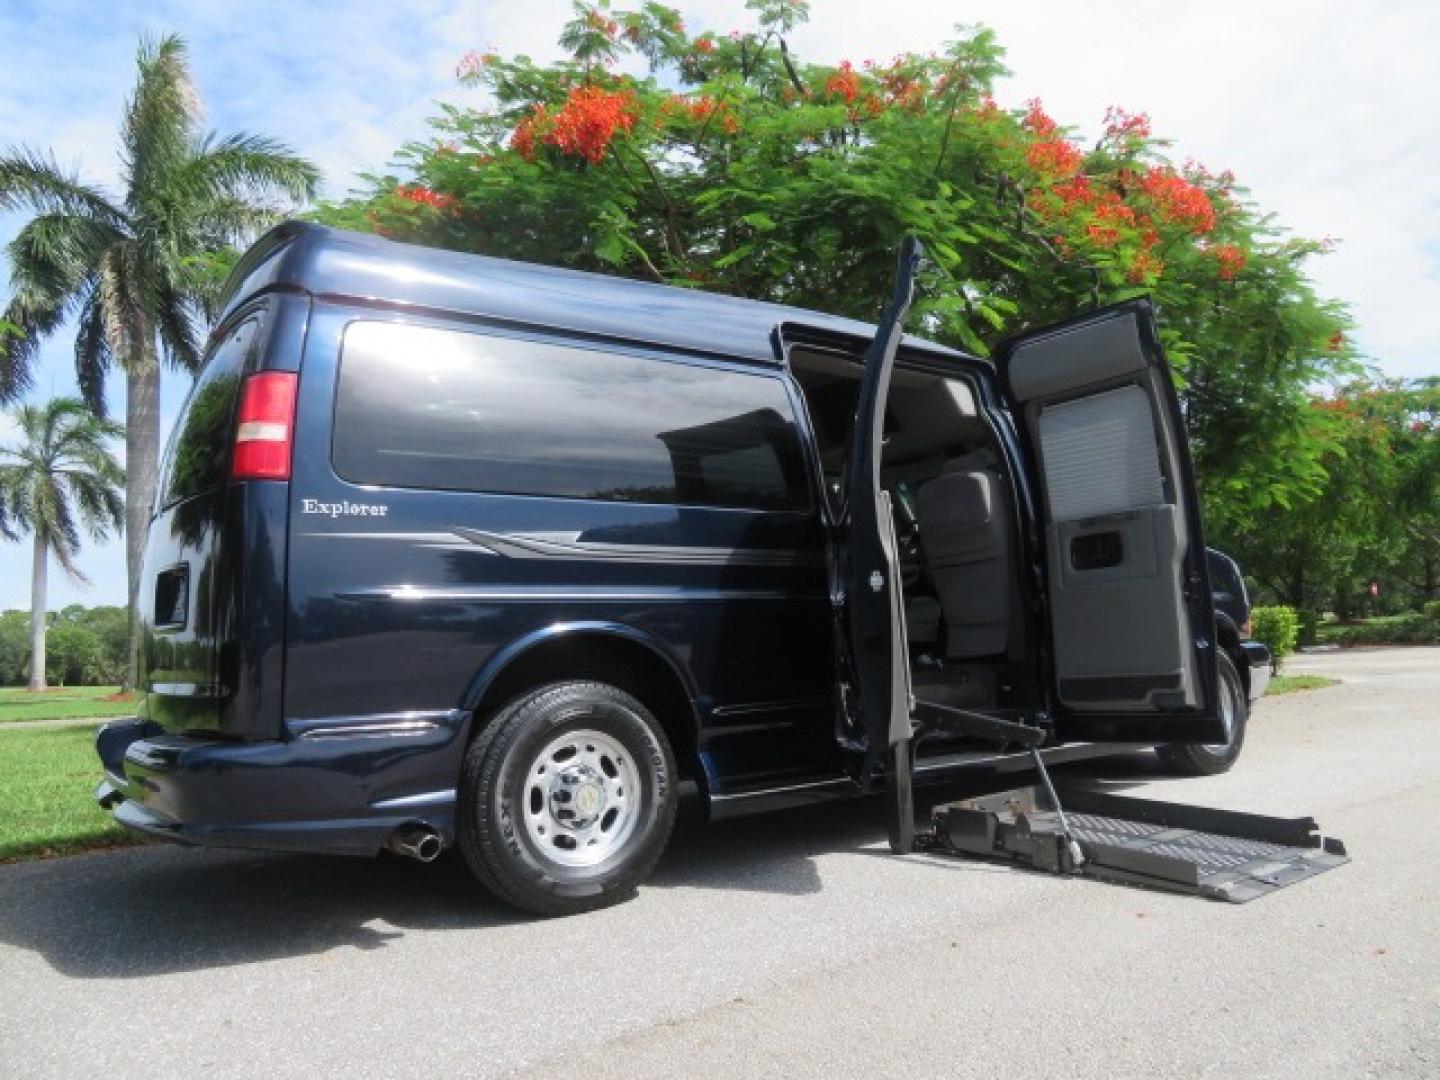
column 1197, row 759
column 481, row 835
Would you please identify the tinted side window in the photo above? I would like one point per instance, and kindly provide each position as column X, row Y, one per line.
column 427, row 408
column 199, row 450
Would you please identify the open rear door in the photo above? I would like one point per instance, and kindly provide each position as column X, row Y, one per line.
column 1132, row 621
column 870, row 571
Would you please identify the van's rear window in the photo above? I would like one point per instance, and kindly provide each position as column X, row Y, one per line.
column 422, row 407
column 199, row 450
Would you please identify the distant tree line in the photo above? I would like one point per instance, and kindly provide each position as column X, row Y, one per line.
column 84, row 646
column 1366, row 539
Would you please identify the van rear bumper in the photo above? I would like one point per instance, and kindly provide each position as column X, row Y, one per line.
column 335, row 793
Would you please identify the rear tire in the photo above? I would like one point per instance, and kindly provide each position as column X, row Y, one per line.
column 567, row 799
column 1199, row 759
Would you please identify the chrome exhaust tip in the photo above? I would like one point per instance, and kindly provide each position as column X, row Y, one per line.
column 418, row 842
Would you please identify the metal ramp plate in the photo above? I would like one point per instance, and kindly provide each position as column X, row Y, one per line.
column 1220, row 854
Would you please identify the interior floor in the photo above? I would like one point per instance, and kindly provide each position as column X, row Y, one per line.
column 956, row 525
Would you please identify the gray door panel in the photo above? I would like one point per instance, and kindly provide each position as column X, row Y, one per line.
column 1098, row 663
column 1131, row 623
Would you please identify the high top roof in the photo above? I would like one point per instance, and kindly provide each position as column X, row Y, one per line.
column 333, row 264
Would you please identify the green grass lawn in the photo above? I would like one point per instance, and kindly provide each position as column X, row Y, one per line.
column 1289, row 684
column 17, row 703
column 45, row 800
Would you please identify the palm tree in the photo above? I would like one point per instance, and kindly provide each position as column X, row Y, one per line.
column 60, row 471
column 138, row 274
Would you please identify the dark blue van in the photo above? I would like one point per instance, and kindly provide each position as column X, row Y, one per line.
column 453, row 551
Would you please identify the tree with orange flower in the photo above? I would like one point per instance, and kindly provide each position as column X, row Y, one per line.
column 733, row 165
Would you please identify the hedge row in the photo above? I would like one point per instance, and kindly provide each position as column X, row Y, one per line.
column 1414, row 628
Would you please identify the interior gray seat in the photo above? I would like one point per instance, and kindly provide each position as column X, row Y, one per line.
column 966, row 532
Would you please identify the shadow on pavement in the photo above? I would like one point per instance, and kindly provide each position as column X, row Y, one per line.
column 146, row 911
column 154, row 910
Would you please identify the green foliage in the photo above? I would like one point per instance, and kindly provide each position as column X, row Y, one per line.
column 1278, row 627
column 1431, row 611
column 1410, row 628
column 1376, row 515
column 14, row 647
column 111, row 625
column 73, row 655
column 85, row 646
column 1309, row 626
column 776, row 179
column 102, row 632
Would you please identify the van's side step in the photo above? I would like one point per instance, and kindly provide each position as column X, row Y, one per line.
column 1219, row 854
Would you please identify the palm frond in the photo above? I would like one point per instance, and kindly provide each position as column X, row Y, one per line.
column 250, row 168
column 7, row 530
column 138, row 274
column 33, row 180
column 52, row 262
column 13, row 510
column 160, row 118
column 233, row 220
column 59, row 475
column 179, row 335
column 99, row 501
column 60, row 531
column 74, row 432
column 34, row 317
column 93, row 355
column 17, row 349
column 63, row 248
column 43, row 272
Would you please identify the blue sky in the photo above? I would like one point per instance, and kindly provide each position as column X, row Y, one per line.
column 1324, row 108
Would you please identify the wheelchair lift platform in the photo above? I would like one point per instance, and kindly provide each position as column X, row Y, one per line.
column 1217, row 854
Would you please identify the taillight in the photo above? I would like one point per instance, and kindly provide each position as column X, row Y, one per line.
column 265, row 427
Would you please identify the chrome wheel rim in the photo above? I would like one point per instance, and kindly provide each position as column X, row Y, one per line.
column 581, row 798
column 1227, row 717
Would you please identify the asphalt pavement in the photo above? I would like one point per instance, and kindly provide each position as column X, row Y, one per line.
column 792, row 944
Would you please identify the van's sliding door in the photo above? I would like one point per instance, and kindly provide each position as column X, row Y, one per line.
column 1129, row 597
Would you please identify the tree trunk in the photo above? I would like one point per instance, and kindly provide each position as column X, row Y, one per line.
column 142, row 454
column 1343, row 610
column 37, row 612
column 1296, row 597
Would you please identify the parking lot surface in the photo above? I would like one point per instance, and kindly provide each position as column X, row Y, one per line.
column 791, row 944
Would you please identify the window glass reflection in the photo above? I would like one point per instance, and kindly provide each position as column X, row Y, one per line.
column 429, row 408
